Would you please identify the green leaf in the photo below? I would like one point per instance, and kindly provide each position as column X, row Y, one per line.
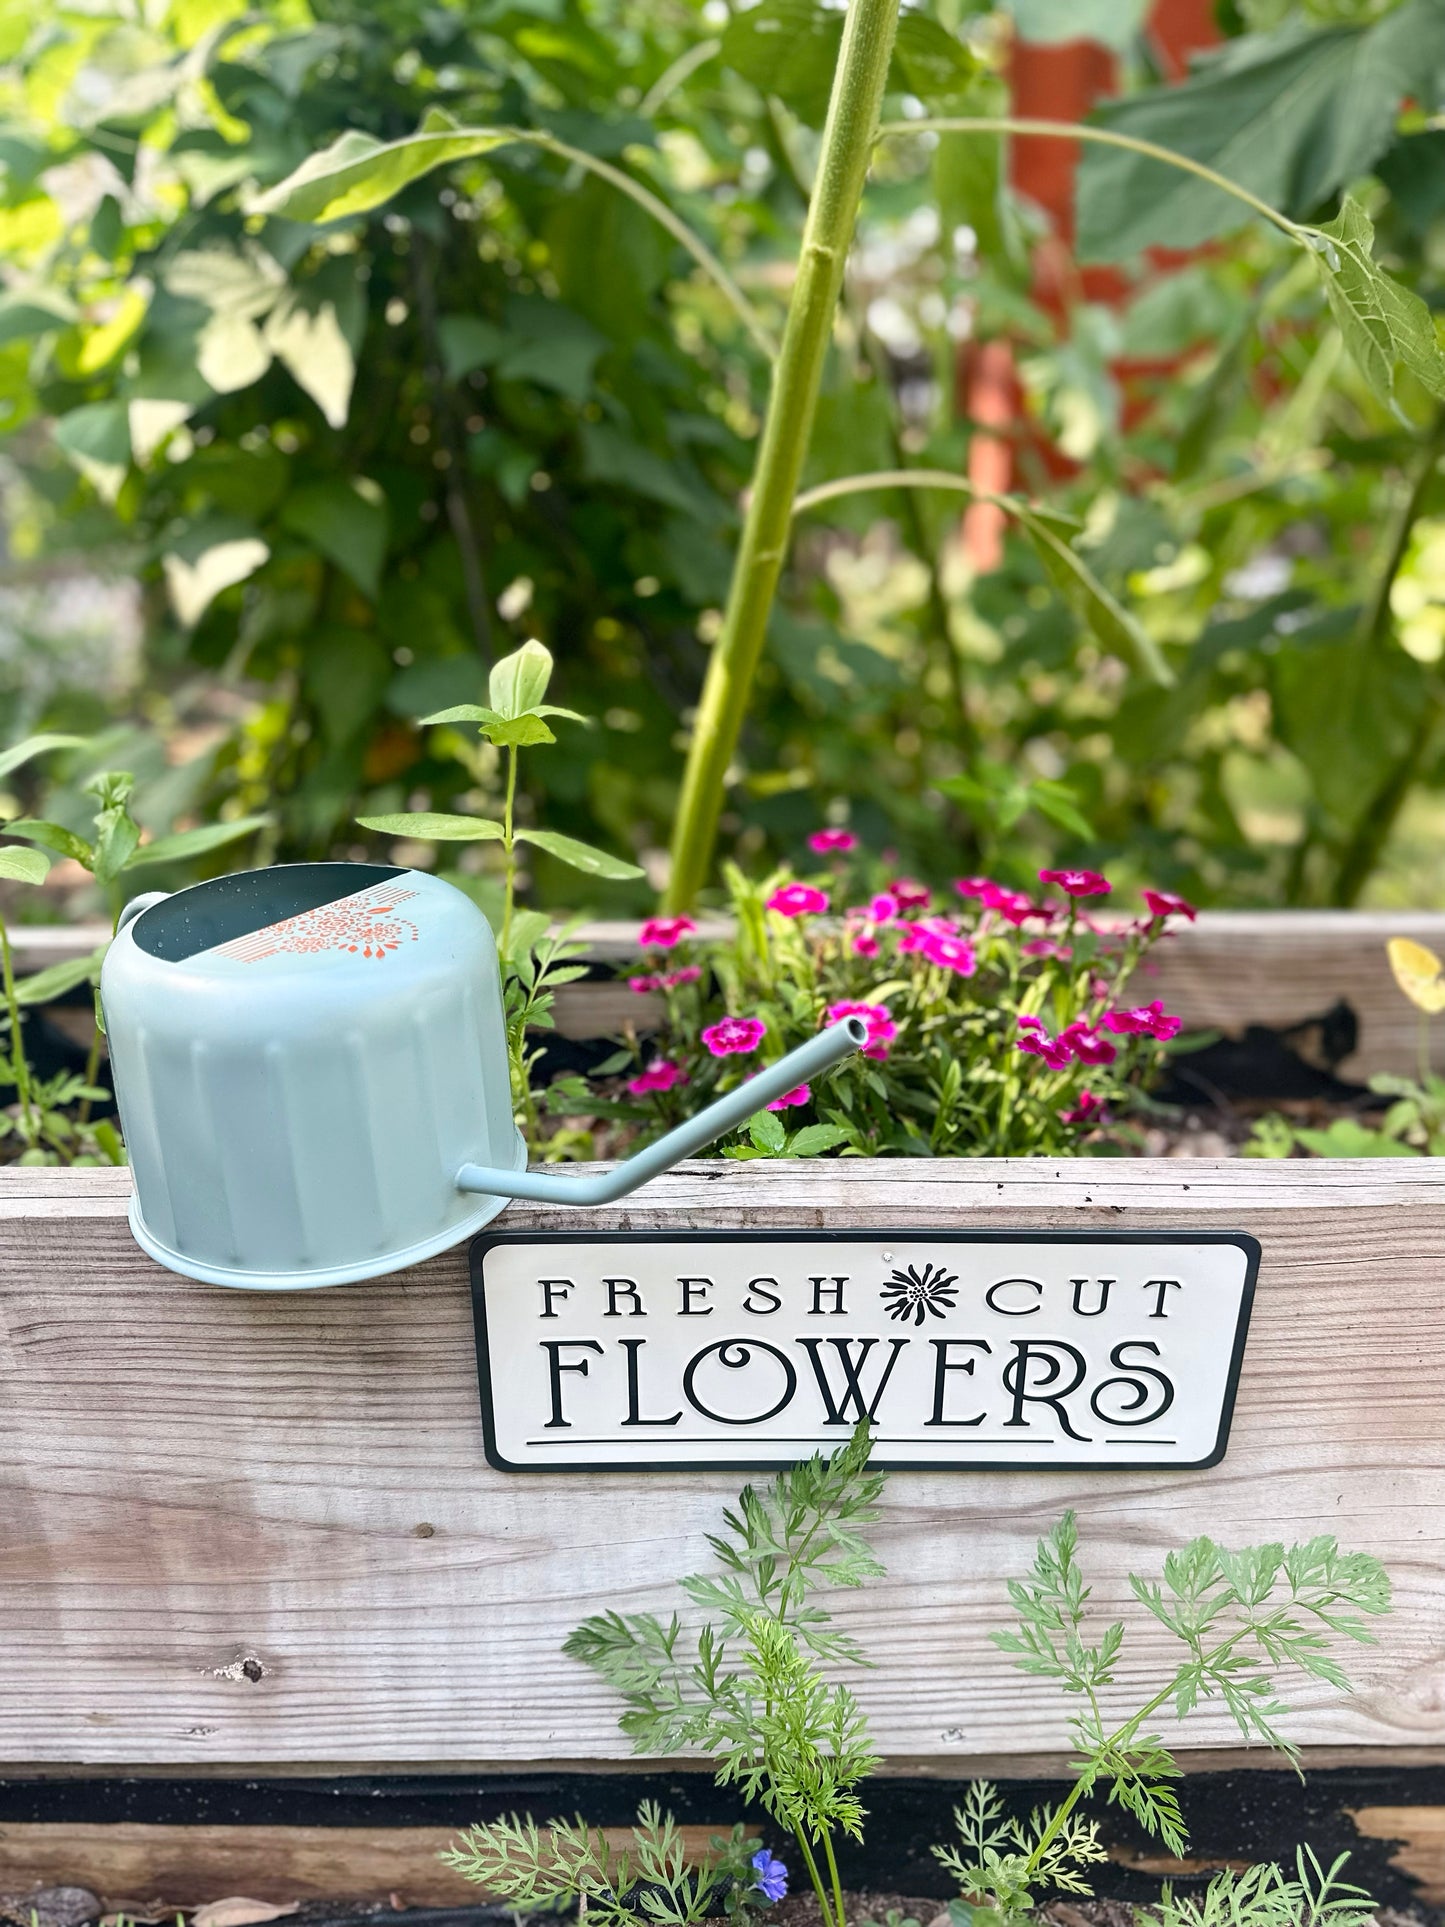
column 95, row 439
column 310, row 345
column 22, row 752
column 519, row 681
column 609, row 257
column 517, row 732
column 1385, row 326
column 529, row 928
column 790, row 48
column 969, row 188
column 1347, row 712
column 151, row 422
column 468, row 342
column 433, row 826
column 1092, row 602
column 492, row 719
column 1058, row 803
column 1049, row 23
column 1346, row 1137
column 231, row 353
column 116, row 840
column 581, row 856
column 550, row 345
column 814, row 1138
column 348, row 524
column 1292, row 115
column 24, row 866
column 765, row 1129
column 229, row 281
column 1413, row 171
column 54, row 836
column 188, row 843
column 27, row 312
column 215, row 554
column 357, row 172
column 930, row 63
column 610, row 456
column 44, row 986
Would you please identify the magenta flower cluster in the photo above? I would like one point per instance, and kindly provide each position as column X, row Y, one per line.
column 732, row 1036
column 665, row 933
column 798, row 900
column 901, row 916
column 666, row 980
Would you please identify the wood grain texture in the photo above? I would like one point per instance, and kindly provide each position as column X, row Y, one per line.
column 131, row 1865
column 1419, row 1834
column 192, row 1479
column 155, row 1869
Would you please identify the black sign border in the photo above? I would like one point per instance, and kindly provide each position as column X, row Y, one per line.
column 486, row 1241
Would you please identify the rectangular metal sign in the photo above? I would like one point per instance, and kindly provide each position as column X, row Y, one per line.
column 1017, row 1350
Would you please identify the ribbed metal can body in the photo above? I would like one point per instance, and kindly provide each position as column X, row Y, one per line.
column 297, row 1091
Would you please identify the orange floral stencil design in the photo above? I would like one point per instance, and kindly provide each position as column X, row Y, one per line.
column 362, row 925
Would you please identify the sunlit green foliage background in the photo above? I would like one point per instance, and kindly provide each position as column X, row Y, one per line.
column 350, row 466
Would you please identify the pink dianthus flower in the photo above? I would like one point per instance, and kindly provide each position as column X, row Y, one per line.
column 798, row 900
column 826, row 842
column 660, row 1075
column 1164, row 903
column 1088, row 1110
column 799, row 1094
column 881, row 1028
column 731, row 1035
column 1145, row 1020
column 950, row 952
column 664, row 932
column 1078, row 883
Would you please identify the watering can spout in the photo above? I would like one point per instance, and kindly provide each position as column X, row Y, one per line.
column 809, row 1060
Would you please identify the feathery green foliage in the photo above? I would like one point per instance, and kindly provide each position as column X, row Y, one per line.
column 566, row 1861
column 1243, row 1618
column 745, row 1686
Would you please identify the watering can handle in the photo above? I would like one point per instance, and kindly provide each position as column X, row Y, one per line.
column 819, row 1054
column 137, row 904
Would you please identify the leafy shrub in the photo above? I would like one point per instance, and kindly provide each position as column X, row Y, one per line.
column 321, row 574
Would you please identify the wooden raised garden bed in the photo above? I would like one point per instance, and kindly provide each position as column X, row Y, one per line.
column 254, row 1535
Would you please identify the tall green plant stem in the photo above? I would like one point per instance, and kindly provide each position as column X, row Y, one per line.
column 1377, row 821
column 848, row 136
column 509, row 852
column 1375, row 626
column 17, row 1042
column 818, row 1888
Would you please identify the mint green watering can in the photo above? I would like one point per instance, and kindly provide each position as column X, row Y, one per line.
column 311, row 1068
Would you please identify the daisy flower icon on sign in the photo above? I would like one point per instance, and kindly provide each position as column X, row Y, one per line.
column 918, row 1294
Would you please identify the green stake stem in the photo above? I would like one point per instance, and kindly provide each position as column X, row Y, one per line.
column 848, row 137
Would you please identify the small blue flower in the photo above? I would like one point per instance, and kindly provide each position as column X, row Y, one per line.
column 772, row 1880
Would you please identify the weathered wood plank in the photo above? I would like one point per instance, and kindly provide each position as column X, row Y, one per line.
column 131, row 1866
column 1230, row 969
column 158, row 1869
column 191, row 1479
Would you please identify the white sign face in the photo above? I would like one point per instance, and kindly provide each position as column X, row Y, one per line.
column 1016, row 1350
